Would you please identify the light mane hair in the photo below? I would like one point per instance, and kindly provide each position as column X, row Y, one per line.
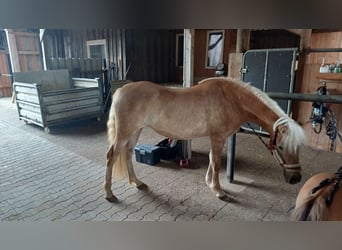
column 295, row 133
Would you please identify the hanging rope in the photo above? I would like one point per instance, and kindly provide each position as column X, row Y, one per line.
column 318, row 116
column 332, row 130
column 319, row 110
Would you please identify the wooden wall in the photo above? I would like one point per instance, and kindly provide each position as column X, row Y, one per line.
column 137, row 54
column 151, row 55
column 200, row 71
column 311, row 82
column 5, row 80
column 71, row 43
column 25, row 51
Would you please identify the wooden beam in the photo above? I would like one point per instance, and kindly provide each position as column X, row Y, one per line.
column 304, row 45
column 41, row 39
column 188, row 76
column 13, row 50
column 305, row 39
column 188, row 59
column 242, row 40
column 298, row 32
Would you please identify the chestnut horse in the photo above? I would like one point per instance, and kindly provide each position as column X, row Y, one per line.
column 216, row 107
column 320, row 198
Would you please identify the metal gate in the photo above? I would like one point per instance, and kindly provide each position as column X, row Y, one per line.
column 271, row 70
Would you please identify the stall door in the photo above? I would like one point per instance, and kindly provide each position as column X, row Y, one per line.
column 271, row 70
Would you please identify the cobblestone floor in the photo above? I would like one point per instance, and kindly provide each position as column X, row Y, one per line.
column 59, row 176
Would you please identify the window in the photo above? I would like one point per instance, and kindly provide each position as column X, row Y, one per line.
column 215, row 45
column 97, row 49
column 179, row 49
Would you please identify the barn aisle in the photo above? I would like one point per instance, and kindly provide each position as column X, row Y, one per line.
column 59, row 176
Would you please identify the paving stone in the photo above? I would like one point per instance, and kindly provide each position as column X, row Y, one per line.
column 59, row 177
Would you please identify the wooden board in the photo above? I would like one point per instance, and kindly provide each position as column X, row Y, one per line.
column 330, row 76
column 5, row 82
column 312, row 79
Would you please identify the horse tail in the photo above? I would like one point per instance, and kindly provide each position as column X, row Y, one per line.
column 313, row 208
column 120, row 165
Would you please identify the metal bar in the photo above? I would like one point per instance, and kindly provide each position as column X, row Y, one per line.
column 231, row 157
column 322, row 50
column 276, row 95
column 306, row 97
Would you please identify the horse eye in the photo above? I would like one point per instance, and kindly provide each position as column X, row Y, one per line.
column 280, row 148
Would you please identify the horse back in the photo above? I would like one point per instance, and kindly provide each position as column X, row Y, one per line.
column 187, row 112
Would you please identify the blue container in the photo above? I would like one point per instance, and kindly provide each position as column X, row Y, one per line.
column 148, row 154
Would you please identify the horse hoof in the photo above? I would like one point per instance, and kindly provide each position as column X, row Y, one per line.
column 221, row 195
column 226, row 198
column 112, row 199
column 138, row 184
column 142, row 186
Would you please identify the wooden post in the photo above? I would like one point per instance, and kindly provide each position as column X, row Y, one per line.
column 188, row 59
column 188, row 76
column 242, row 40
column 305, row 37
column 41, row 36
column 13, row 51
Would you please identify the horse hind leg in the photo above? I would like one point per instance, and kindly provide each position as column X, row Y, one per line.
column 112, row 157
column 132, row 178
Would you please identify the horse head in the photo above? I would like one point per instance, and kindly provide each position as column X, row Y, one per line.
column 285, row 140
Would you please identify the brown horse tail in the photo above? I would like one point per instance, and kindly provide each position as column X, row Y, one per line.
column 313, row 208
column 120, row 165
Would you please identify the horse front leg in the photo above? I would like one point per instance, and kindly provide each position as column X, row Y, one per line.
column 212, row 176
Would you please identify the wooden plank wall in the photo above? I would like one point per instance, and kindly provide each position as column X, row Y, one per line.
column 151, row 55
column 311, row 83
column 78, row 67
column 25, row 51
column 71, row 43
column 200, row 71
column 5, row 80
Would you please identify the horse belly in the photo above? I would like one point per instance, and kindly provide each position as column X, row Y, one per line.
column 180, row 129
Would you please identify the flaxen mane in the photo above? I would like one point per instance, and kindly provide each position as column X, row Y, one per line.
column 295, row 134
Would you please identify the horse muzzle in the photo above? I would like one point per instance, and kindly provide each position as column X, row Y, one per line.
column 291, row 171
column 292, row 175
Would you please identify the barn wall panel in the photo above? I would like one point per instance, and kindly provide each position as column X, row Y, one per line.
column 5, row 83
column 311, row 82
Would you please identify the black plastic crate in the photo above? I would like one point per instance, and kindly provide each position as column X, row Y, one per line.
column 148, row 154
column 170, row 153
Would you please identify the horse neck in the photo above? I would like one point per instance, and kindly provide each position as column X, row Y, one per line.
column 258, row 112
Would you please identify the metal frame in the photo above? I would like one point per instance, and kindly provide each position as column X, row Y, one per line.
column 266, row 83
column 290, row 96
column 49, row 108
